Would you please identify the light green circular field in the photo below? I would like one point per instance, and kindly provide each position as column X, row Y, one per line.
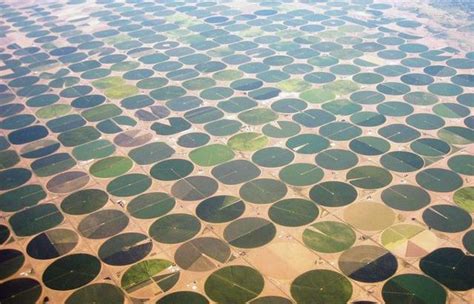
column 111, row 167
column 120, row 92
column 247, row 142
column 211, row 155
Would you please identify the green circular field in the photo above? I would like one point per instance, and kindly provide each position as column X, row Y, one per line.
column 103, row 224
column 336, row 159
column 250, row 232
column 21, row 290
column 129, row 185
column 35, row 219
column 262, row 191
column 11, row 261
column 333, row 194
column 406, row 287
column 247, row 142
column 151, row 153
column 136, row 278
column 293, row 212
column 193, row 188
column 71, row 272
column 369, row 177
column 111, row 167
column 174, row 228
column 301, row 174
column 447, row 218
column 172, row 169
column 273, row 157
column 22, row 197
column 52, row 244
column 125, row 249
column 235, row 172
column 202, row 254
column 84, row 201
column 464, row 198
column 220, row 209
column 211, row 155
column 234, row 284
column 321, row 286
column 405, row 197
column 150, row 205
column 439, row 180
column 329, row 237
column 183, row 297
column 99, row 293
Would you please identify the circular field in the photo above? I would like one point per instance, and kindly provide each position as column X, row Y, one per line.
column 84, row 201
column 194, row 188
column 408, row 240
column 468, row 241
column 449, row 266
column 336, row 159
column 293, row 212
column 35, row 220
column 447, row 218
column 282, row 253
column 125, row 249
column 150, row 205
column 329, row 237
column 111, row 167
column 11, row 261
column 464, row 198
column 301, row 174
column 202, row 254
column 12, row 178
column 406, row 287
column 99, row 293
column 71, row 271
column 171, row 169
column 369, row 177
column 439, row 180
column 234, row 284
column 321, row 286
column 129, row 185
column 250, row 232
column 174, row 228
column 220, row 209
column 103, row 224
column 369, row 145
column 235, row 172
column 93, row 150
column 140, row 279
column 151, row 153
column 369, row 216
column 263, row 191
column 4, row 234
column 211, row 155
column 405, row 197
column 183, row 297
column 272, row 157
column 247, row 142
column 23, row 290
column 22, row 197
column 52, row 244
column 368, row 264
column 68, row 182
column 333, row 194
column 400, row 161
column 462, row 164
